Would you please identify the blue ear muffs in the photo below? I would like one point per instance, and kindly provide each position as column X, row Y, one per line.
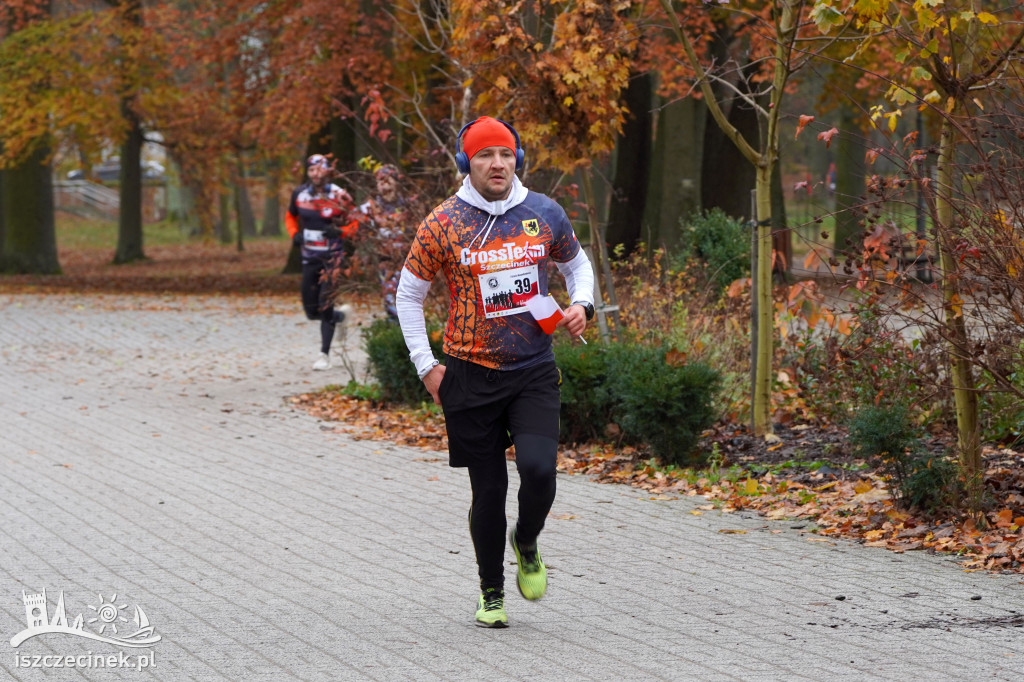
column 462, row 161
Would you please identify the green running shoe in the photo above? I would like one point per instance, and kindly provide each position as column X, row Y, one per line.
column 532, row 577
column 490, row 612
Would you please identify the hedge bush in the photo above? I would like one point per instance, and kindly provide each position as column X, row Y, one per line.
column 888, row 434
column 722, row 243
column 389, row 363
column 654, row 402
column 586, row 400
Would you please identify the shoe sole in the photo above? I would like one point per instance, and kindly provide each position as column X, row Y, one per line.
column 497, row 625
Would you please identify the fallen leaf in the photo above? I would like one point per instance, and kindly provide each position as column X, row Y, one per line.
column 873, row 495
column 861, row 487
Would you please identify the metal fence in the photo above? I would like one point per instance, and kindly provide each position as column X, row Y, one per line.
column 82, row 196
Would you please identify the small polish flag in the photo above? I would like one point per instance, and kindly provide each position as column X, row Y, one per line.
column 546, row 311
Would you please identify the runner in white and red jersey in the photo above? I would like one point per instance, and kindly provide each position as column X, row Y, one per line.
column 318, row 220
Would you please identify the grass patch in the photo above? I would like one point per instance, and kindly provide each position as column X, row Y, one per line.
column 76, row 233
column 814, row 465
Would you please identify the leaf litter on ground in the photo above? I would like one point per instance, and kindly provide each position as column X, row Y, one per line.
column 844, row 499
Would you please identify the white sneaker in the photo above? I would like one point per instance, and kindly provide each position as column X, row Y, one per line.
column 323, row 362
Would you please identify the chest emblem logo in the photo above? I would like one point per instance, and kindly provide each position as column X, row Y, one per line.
column 531, row 228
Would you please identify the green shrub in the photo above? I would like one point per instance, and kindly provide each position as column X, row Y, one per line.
column 722, row 243
column 586, row 402
column 389, row 365
column 663, row 405
column 666, row 406
column 1002, row 411
column 931, row 484
column 888, row 434
column 883, row 431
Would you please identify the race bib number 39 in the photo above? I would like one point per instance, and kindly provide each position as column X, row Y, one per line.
column 505, row 292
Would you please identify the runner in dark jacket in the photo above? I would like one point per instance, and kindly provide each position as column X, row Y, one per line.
column 318, row 219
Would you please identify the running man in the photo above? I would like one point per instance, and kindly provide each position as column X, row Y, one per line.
column 492, row 242
column 318, row 221
column 388, row 214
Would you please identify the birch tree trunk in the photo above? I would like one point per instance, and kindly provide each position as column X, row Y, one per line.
column 763, row 159
column 965, row 397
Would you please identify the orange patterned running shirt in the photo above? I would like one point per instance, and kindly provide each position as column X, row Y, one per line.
column 492, row 265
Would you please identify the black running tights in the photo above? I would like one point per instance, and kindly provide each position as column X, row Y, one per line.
column 535, row 461
column 317, row 301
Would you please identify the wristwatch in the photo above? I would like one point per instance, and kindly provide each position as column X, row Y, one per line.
column 588, row 309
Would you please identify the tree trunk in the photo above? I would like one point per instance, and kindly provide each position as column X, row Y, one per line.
column 239, row 231
column 602, row 268
column 224, row 220
column 181, row 205
column 632, row 164
column 3, row 221
column 965, row 396
column 243, row 206
column 26, row 211
column 272, row 204
column 343, row 141
column 764, row 162
column 129, row 222
column 727, row 176
column 762, row 389
column 850, row 173
column 293, row 265
column 675, row 175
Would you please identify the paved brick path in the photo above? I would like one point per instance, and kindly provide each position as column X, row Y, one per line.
column 147, row 452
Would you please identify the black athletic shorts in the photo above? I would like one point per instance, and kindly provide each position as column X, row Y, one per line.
column 484, row 409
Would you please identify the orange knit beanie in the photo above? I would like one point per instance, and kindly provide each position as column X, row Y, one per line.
column 486, row 132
